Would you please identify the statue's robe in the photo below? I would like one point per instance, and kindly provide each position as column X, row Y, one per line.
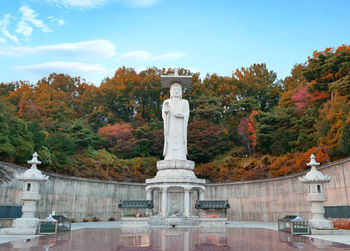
column 175, row 129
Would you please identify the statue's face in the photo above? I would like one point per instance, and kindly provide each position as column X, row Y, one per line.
column 175, row 90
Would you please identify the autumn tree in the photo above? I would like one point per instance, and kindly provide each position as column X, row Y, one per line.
column 208, row 108
column 258, row 82
column 120, row 139
column 16, row 142
column 205, row 140
column 345, row 140
column 6, row 148
column 83, row 136
column 292, row 84
column 58, row 152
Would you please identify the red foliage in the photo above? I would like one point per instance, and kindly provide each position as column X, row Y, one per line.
column 205, row 140
column 299, row 98
column 120, row 137
column 243, row 129
column 251, row 128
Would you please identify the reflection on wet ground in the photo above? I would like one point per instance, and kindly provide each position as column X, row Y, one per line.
column 173, row 239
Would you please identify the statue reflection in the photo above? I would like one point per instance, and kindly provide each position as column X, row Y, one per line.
column 212, row 239
column 173, row 239
column 135, row 239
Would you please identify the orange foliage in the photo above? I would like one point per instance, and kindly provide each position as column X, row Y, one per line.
column 329, row 49
column 21, row 94
column 343, row 47
column 312, row 82
column 296, row 162
column 329, row 76
column 29, row 110
column 333, row 114
column 319, row 95
column 316, row 53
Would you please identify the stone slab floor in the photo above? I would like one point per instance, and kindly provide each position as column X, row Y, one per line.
column 238, row 235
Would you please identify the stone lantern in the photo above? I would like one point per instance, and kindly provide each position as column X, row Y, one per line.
column 316, row 196
column 31, row 179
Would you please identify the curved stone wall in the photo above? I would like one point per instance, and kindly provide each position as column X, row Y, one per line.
column 268, row 200
column 265, row 200
column 73, row 197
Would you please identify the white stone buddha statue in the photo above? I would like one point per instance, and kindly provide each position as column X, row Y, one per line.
column 175, row 115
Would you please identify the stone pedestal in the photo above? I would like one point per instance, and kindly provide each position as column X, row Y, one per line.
column 176, row 181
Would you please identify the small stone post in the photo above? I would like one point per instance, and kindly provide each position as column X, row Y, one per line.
column 31, row 178
column 164, row 201
column 187, row 202
column 316, row 196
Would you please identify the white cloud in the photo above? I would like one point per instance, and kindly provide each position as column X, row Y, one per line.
column 63, row 67
column 80, row 4
column 139, row 69
column 169, row 56
column 89, row 4
column 139, row 3
column 145, row 55
column 60, row 22
column 29, row 17
column 95, row 49
column 24, row 28
column 3, row 28
column 2, row 40
column 135, row 56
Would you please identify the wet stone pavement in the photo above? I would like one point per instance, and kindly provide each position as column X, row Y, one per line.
column 172, row 239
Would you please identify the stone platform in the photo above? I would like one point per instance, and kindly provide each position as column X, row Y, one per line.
column 174, row 221
column 212, row 222
column 135, row 221
column 22, row 226
column 330, row 232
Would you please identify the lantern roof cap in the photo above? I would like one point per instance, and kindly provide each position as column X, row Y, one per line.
column 33, row 174
column 314, row 176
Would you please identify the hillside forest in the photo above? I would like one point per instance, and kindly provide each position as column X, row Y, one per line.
column 248, row 126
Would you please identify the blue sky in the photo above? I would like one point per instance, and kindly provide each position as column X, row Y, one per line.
column 92, row 38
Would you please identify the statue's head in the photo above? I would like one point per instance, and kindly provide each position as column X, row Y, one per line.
column 176, row 90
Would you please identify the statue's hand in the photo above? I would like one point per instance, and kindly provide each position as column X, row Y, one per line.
column 166, row 107
column 179, row 115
